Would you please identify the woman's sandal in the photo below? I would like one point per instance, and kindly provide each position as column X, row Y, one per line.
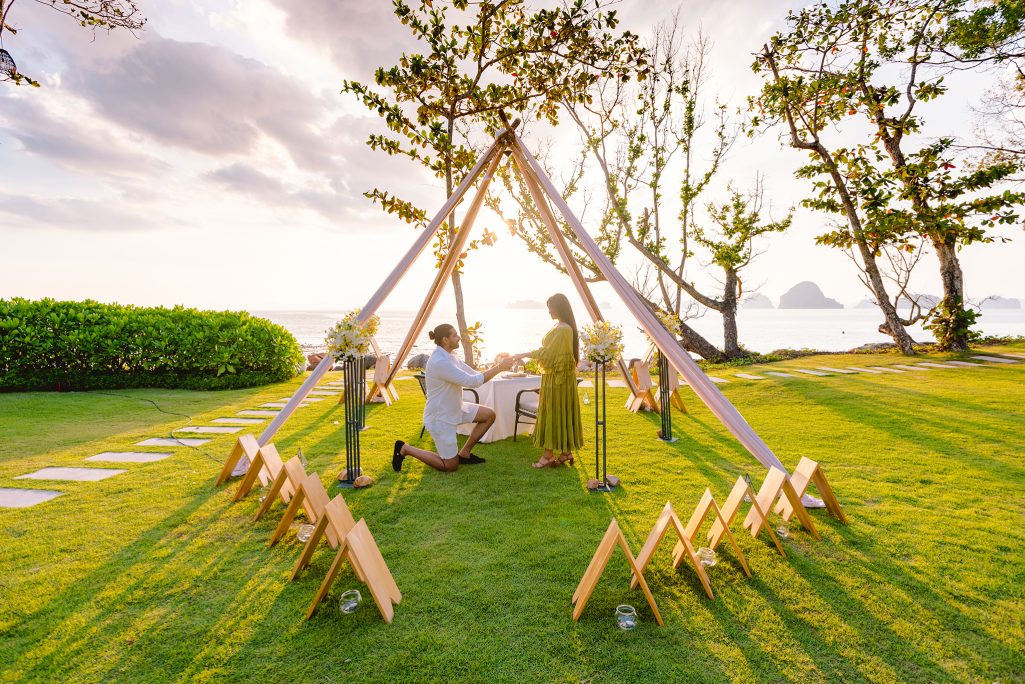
column 545, row 463
column 565, row 458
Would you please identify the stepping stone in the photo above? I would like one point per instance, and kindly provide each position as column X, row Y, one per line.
column 718, row 381
column 307, row 400
column 935, row 365
column 748, row 376
column 165, row 441
column 406, row 377
column 281, row 404
column 72, row 474
column 864, row 370
column 324, row 393
column 887, row 369
column 965, row 364
column 1014, row 356
column 130, row 456
column 23, row 498
column 615, row 383
column 994, row 359
column 810, row 372
column 910, row 368
column 211, row 429
column 778, row 374
column 842, row 371
column 239, row 421
column 585, row 384
column 254, row 412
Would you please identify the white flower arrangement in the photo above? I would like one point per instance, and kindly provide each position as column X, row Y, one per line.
column 670, row 322
column 602, row 341
column 348, row 338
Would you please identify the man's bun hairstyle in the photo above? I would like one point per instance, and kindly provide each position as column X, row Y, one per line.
column 441, row 332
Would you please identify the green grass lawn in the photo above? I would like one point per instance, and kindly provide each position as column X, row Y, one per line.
column 155, row 575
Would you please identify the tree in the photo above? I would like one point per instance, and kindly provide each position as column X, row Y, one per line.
column 874, row 61
column 94, row 14
column 507, row 56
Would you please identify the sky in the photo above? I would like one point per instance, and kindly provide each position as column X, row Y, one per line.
column 210, row 161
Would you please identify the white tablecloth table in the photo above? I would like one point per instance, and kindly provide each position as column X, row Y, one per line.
column 499, row 394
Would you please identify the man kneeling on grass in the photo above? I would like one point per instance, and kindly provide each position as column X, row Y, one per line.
column 445, row 409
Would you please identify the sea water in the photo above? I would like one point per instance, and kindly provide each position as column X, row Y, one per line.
column 514, row 330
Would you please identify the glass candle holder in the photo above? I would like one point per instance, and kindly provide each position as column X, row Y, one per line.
column 626, row 617
column 707, row 557
column 349, row 601
column 305, row 532
column 782, row 532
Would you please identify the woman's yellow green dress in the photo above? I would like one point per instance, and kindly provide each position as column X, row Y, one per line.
column 558, row 410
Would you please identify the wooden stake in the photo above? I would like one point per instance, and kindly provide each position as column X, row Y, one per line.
column 775, row 482
column 729, row 511
column 359, row 545
column 288, row 478
column 807, row 472
column 596, row 567
column 245, row 447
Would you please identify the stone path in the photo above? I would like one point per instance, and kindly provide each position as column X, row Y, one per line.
column 23, row 498
column 211, row 429
column 240, row 421
column 994, row 359
column 166, row 442
column 254, row 412
column 130, row 456
column 72, row 474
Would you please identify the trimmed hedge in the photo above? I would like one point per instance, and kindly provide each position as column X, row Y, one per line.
column 48, row 345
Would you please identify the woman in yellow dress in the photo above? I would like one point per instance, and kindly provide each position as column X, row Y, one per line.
column 558, row 428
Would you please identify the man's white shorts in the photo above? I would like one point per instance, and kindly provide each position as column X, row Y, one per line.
column 444, row 435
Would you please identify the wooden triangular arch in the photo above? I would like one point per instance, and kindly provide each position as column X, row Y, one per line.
column 542, row 191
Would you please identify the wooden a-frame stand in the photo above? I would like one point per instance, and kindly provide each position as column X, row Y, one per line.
column 543, row 192
column 360, row 548
column 729, row 512
column 777, row 482
column 809, row 472
column 606, row 547
column 705, row 506
column 667, row 520
column 641, row 397
column 289, row 478
column 311, row 495
column 246, row 447
column 265, row 467
column 338, row 518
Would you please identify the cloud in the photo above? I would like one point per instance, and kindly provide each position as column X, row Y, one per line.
column 246, row 180
column 206, row 99
column 70, row 214
column 72, row 143
column 360, row 36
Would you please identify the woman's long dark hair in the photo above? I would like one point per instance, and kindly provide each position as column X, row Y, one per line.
column 559, row 305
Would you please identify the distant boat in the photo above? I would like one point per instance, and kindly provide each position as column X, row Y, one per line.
column 526, row 304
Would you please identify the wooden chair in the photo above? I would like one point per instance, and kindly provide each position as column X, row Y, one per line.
column 606, row 547
column 265, row 467
column 421, row 380
column 360, row 548
column 336, row 517
column 289, row 477
column 526, row 408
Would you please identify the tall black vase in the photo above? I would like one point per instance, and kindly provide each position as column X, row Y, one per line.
column 354, row 380
column 665, row 398
column 600, row 434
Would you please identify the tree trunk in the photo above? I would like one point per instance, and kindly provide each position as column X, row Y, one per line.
column 731, row 344
column 692, row 341
column 457, row 285
column 953, row 290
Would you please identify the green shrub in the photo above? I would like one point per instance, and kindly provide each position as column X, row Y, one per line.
column 46, row 345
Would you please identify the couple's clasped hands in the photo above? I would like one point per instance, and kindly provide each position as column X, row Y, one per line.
column 510, row 361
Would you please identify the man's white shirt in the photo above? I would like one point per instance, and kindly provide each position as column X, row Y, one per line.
column 446, row 378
